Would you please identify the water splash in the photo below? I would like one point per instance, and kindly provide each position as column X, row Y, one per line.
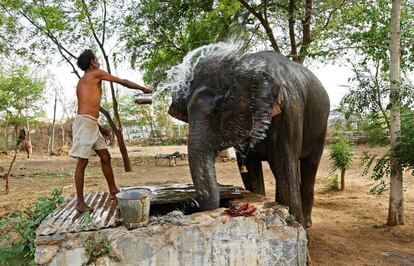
column 180, row 76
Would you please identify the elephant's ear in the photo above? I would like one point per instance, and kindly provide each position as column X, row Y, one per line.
column 277, row 105
column 178, row 108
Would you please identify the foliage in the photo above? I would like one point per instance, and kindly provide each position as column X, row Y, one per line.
column 152, row 120
column 61, row 27
column 64, row 28
column 367, row 100
column 332, row 183
column 375, row 128
column 340, row 154
column 19, row 228
column 380, row 168
column 368, row 91
column 380, row 165
column 379, row 187
column 290, row 218
column 132, row 113
column 405, row 150
column 96, row 245
column 160, row 33
column 20, row 90
column 372, row 35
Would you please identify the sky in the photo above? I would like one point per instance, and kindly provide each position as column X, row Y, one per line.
column 332, row 77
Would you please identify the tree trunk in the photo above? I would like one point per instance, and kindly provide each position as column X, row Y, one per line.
column 343, row 179
column 120, row 138
column 117, row 128
column 28, row 144
column 52, row 144
column 63, row 134
column 396, row 204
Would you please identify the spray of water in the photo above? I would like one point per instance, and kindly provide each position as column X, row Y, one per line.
column 179, row 78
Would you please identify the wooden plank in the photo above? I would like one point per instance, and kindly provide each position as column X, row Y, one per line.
column 167, row 194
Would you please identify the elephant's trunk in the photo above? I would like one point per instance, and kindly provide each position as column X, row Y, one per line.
column 201, row 155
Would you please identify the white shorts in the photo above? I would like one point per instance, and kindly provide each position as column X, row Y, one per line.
column 86, row 137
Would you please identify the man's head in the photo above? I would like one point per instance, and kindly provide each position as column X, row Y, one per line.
column 88, row 60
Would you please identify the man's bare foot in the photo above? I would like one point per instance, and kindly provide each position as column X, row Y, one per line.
column 82, row 207
column 112, row 195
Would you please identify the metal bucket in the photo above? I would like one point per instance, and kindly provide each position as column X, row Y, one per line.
column 134, row 205
column 143, row 98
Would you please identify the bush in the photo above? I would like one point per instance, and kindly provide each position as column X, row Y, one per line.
column 340, row 155
column 96, row 245
column 404, row 151
column 18, row 230
column 290, row 219
column 376, row 130
column 332, row 183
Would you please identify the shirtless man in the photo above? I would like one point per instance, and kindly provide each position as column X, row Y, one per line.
column 88, row 136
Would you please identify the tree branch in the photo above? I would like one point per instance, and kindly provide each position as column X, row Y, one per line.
column 306, row 32
column 292, row 37
column 328, row 20
column 108, row 66
column 47, row 32
column 104, row 22
column 378, row 100
column 264, row 23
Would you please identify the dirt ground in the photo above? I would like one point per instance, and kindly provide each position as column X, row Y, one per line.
column 346, row 224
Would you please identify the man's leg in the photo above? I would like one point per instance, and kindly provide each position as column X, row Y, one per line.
column 107, row 171
column 79, row 181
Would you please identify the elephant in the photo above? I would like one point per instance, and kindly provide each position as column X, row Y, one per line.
column 268, row 108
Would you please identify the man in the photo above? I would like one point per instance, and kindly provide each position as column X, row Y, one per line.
column 88, row 136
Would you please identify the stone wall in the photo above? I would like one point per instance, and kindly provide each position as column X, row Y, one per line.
column 206, row 238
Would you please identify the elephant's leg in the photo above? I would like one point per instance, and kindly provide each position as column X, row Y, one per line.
column 308, row 169
column 285, row 167
column 253, row 179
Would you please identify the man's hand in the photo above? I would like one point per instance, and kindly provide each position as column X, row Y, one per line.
column 105, row 133
column 145, row 90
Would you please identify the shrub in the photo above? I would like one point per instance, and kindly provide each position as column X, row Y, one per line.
column 96, row 245
column 340, row 155
column 18, row 229
column 332, row 183
column 290, row 218
column 405, row 152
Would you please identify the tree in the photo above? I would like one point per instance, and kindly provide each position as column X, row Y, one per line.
column 160, row 33
column 21, row 95
column 396, row 205
column 340, row 155
column 61, row 27
column 307, row 28
column 386, row 36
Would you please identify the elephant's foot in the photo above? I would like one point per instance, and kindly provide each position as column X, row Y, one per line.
column 308, row 221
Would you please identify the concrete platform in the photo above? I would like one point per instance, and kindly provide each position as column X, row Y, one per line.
column 203, row 238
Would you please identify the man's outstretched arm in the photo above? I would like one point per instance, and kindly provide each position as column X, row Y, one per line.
column 102, row 75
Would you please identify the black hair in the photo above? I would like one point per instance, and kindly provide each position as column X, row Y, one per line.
column 84, row 60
